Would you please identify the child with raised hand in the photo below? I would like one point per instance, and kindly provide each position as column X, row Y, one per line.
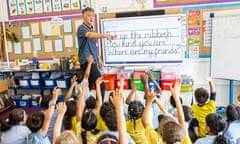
column 134, row 123
column 117, row 101
column 204, row 106
column 64, row 137
column 215, row 125
column 90, row 133
column 39, row 123
column 79, row 79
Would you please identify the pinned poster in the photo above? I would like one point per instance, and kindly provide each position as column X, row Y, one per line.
column 193, row 52
column 27, row 47
column 12, row 4
column 194, row 41
column 29, row 7
column 66, row 4
column 38, row 6
column 75, row 5
column 47, row 6
column 21, row 7
column 193, row 31
column 194, row 18
column 57, row 5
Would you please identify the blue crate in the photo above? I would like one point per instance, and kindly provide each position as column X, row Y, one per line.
column 152, row 86
column 50, row 83
column 24, row 82
column 63, row 82
column 35, row 83
column 23, row 103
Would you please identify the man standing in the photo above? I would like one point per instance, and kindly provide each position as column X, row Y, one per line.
column 87, row 46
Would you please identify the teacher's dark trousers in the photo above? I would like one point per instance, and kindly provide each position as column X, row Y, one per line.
column 94, row 74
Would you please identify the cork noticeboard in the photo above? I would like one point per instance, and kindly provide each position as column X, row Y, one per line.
column 48, row 40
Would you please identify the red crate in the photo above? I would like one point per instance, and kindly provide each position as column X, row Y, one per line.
column 166, row 84
column 109, row 81
column 125, row 84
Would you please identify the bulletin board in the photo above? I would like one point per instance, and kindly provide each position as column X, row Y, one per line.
column 18, row 9
column 172, row 3
column 45, row 38
column 199, row 29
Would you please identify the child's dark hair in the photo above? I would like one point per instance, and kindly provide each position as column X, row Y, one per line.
column 187, row 111
column 71, row 111
column 107, row 106
column 172, row 133
column 14, row 118
column 35, row 121
column 232, row 112
column 90, row 103
column 201, row 95
column 87, row 9
column 110, row 119
column 135, row 110
column 79, row 75
column 89, row 123
column 217, row 124
column 107, row 139
column 172, row 101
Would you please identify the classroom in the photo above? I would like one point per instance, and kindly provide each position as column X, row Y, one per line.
column 112, row 71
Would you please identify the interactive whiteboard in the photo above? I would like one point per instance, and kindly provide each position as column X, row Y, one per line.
column 144, row 40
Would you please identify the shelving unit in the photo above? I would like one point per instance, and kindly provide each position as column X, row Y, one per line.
column 5, row 101
column 40, row 86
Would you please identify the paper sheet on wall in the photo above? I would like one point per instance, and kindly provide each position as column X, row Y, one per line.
column 46, row 28
column 55, row 30
column 58, row 44
column 207, row 29
column 77, row 24
column 36, row 44
column 27, row 47
column 67, row 26
column 193, row 52
column 68, row 41
column 9, row 46
column 18, row 48
column 26, row 32
column 35, row 29
column 48, row 46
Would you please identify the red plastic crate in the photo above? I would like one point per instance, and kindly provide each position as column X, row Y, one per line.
column 125, row 85
column 109, row 81
column 165, row 84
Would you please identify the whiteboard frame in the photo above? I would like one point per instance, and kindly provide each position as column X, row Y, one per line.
column 137, row 62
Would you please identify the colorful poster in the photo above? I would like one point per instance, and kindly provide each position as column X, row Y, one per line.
column 193, row 52
column 66, row 4
column 207, row 29
column 75, row 4
column 38, row 6
column 57, row 5
column 193, row 18
column 193, row 31
column 47, row 6
column 194, row 41
column 29, row 7
column 21, row 7
column 12, row 5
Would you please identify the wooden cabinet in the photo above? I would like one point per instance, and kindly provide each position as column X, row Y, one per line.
column 5, row 101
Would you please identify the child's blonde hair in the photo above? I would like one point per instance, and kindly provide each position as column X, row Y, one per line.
column 67, row 137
